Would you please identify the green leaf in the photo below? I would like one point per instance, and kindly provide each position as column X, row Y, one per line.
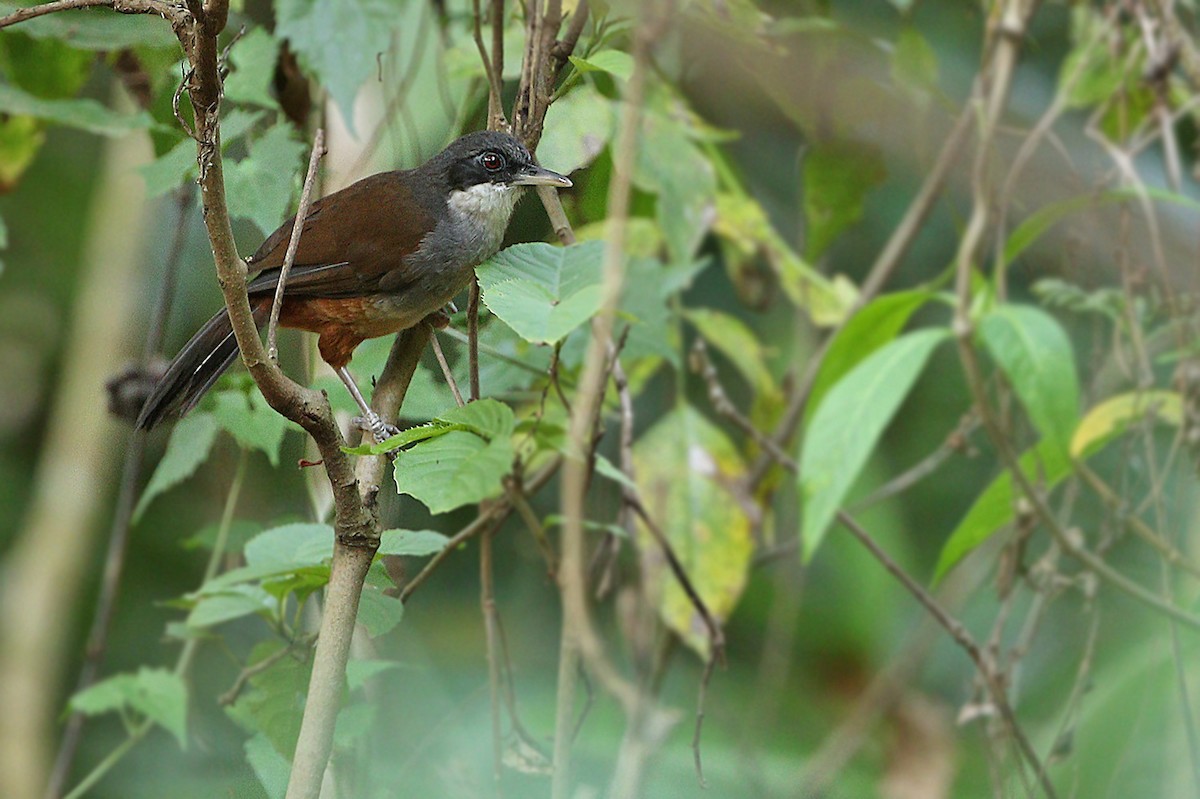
column 487, row 417
column 291, row 546
column 543, row 292
column 685, row 468
column 669, row 164
column 228, row 604
column 848, row 424
column 157, row 694
column 1046, row 463
column 84, row 114
column 259, row 187
column 169, row 171
column 21, row 139
column 359, row 671
column 837, row 177
column 1036, row 224
column 873, row 326
column 188, row 447
column 338, row 40
column 614, row 62
column 1036, row 356
column 433, row 429
column 378, row 612
column 738, row 343
column 248, row 418
column 578, row 127
column 274, row 703
column 99, row 29
column 354, row 721
column 456, row 469
column 742, row 223
column 914, row 63
column 272, row 769
column 414, row 543
column 1112, row 417
column 253, row 59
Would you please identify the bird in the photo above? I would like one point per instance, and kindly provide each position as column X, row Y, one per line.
column 374, row 258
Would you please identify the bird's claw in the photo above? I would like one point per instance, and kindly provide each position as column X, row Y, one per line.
column 378, row 428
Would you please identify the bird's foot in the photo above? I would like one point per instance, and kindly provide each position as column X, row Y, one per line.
column 439, row 319
column 378, row 428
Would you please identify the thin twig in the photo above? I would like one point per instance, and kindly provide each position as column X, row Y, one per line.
column 964, row 639
column 118, row 539
column 253, row 670
column 318, row 150
column 487, row 601
column 532, row 485
column 165, row 10
column 446, row 372
column 473, row 338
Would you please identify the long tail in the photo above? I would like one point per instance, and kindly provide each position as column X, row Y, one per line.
column 197, row 366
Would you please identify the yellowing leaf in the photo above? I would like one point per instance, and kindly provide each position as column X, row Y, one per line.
column 1110, row 418
column 743, row 225
column 685, row 467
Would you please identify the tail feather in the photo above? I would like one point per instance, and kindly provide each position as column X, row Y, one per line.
column 211, row 351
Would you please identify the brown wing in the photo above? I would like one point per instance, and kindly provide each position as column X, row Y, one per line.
column 353, row 243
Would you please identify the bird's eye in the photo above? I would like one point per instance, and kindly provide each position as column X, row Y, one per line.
column 492, row 162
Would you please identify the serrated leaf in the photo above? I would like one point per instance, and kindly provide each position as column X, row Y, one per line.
column 413, row 543
column 1046, row 464
column 248, row 418
column 578, row 128
column 157, row 694
column 259, row 187
column 272, row 769
column 84, row 114
column 378, row 613
column 614, row 62
column 187, row 448
column 1036, row 356
column 420, row 432
column 738, row 343
column 873, row 326
column 684, row 467
column 99, row 29
column 543, row 292
column 1112, row 417
column 848, row 424
column 253, row 59
column 456, row 469
column 837, row 177
column 338, row 40
column 487, row 417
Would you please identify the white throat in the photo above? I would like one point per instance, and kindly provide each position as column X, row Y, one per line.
column 487, row 205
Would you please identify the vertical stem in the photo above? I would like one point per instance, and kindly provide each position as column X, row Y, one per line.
column 487, row 596
column 473, row 338
column 348, row 571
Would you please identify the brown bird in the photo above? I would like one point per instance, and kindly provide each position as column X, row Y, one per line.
column 375, row 258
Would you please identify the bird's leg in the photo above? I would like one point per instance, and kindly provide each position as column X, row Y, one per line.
column 379, row 428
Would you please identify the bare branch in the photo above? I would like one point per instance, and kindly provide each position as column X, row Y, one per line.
column 318, row 150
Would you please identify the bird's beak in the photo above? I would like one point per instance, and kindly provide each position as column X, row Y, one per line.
column 534, row 175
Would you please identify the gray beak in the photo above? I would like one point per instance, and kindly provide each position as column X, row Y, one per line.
column 534, row 175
